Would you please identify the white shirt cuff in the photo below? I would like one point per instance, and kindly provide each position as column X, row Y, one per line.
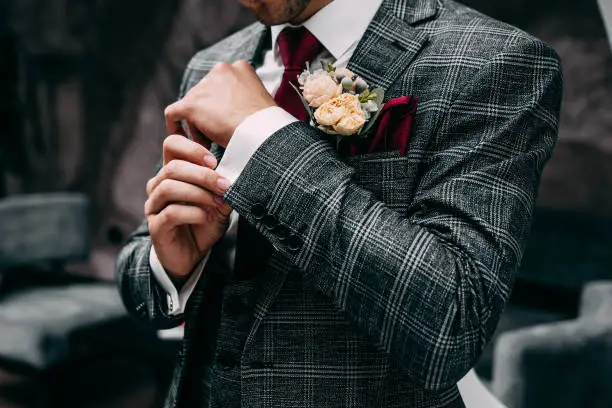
column 176, row 300
column 247, row 138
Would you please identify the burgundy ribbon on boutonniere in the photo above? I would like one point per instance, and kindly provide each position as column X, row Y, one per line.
column 393, row 130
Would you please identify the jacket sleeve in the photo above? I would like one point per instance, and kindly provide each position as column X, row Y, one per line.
column 427, row 287
column 142, row 295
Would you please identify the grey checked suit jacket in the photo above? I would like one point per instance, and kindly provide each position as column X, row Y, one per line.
column 389, row 272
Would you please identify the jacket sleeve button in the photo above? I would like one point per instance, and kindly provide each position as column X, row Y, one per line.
column 281, row 232
column 258, row 211
column 293, row 243
column 269, row 221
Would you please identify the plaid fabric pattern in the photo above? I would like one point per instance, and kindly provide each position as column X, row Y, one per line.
column 396, row 268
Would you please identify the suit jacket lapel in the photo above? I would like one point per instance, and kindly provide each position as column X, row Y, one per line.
column 390, row 42
column 413, row 11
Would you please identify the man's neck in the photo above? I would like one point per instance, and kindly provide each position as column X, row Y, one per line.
column 313, row 7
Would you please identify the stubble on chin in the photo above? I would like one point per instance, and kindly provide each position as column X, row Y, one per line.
column 268, row 14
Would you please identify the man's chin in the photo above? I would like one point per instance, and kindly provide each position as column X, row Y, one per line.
column 265, row 14
column 265, row 18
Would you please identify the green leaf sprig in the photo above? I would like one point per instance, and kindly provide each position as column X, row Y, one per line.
column 366, row 96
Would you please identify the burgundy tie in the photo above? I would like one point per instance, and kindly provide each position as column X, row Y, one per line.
column 296, row 46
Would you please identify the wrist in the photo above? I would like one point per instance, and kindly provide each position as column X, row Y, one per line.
column 178, row 280
column 265, row 121
column 249, row 114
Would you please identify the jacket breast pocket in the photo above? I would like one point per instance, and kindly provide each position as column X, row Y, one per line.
column 387, row 175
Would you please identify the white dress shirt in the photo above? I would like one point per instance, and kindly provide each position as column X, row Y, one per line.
column 339, row 26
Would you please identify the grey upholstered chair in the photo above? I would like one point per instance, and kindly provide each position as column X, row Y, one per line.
column 563, row 364
column 554, row 343
column 56, row 332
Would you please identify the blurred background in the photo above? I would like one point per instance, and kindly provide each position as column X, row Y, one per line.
column 83, row 85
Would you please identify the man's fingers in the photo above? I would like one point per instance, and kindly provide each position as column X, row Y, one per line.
column 199, row 176
column 173, row 191
column 198, row 136
column 177, row 147
column 246, row 71
column 174, row 114
column 174, row 216
column 222, row 207
column 243, row 66
column 219, row 67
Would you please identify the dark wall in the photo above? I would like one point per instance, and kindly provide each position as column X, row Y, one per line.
column 579, row 176
column 95, row 76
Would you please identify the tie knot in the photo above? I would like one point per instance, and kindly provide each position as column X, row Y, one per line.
column 297, row 46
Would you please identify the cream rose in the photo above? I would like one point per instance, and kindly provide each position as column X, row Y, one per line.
column 350, row 124
column 319, row 89
column 343, row 113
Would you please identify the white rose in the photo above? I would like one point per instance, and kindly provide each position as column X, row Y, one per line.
column 319, row 89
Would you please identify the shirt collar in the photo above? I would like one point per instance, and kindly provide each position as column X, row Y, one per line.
column 338, row 26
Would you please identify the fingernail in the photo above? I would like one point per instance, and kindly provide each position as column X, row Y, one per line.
column 210, row 160
column 223, row 183
column 219, row 201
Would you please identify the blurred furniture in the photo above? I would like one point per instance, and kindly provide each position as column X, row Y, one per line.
column 543, row 350
column 606, row 12
column 55, row 331
column 560, row 364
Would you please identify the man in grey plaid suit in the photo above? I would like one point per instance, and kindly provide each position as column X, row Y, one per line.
column 387, row 272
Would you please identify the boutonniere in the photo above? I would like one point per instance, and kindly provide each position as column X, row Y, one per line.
column 339, row 102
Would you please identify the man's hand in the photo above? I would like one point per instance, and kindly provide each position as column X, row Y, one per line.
column 185, row 213
column 222, row 100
